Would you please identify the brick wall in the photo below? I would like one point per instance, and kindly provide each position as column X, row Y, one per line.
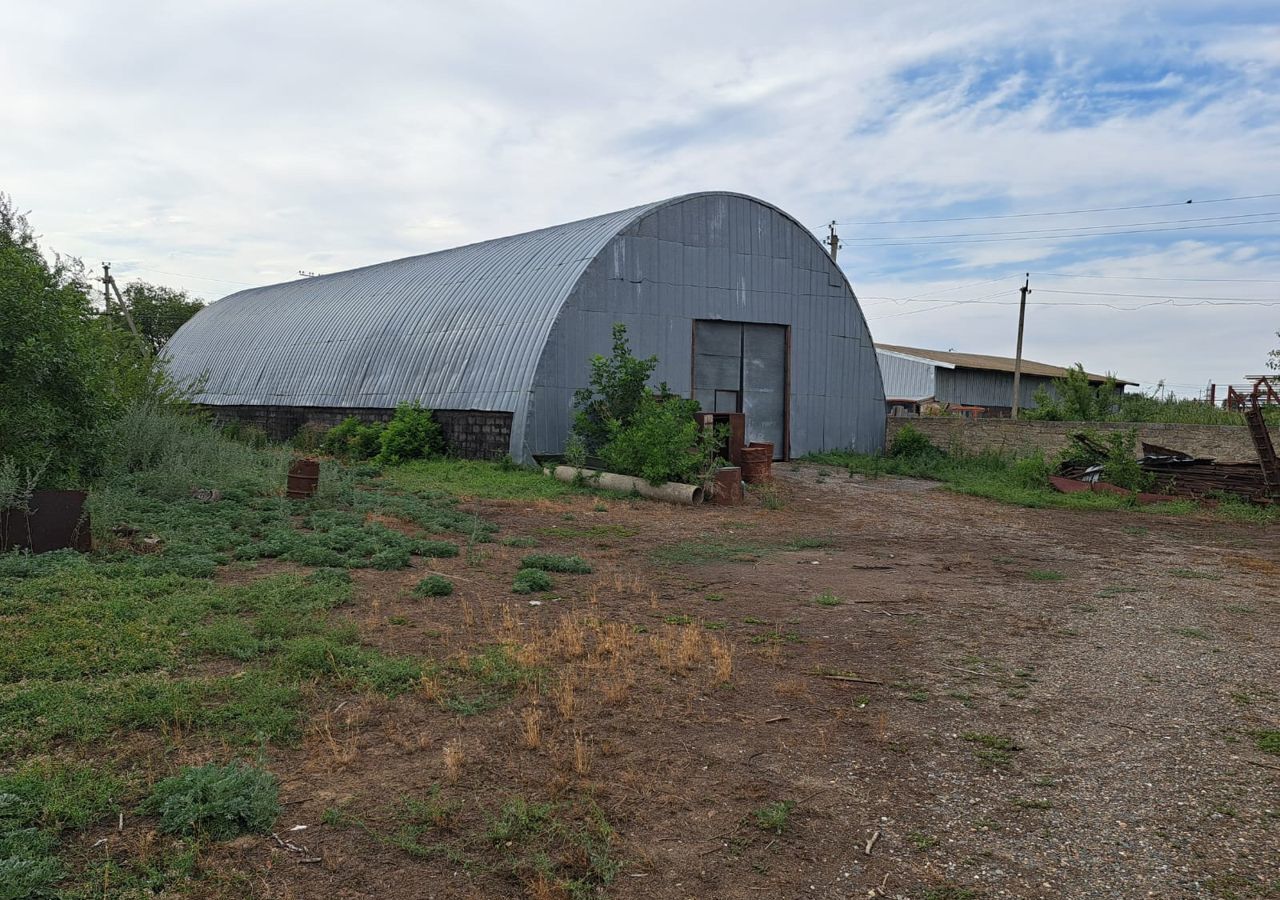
column 470, row 433
column 1228, row 443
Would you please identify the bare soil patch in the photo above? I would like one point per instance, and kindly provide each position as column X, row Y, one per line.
column 940, row 696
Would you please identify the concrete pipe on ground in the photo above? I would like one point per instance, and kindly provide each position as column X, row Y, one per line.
column 670, row 492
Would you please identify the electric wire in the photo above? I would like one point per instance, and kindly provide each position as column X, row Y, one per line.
column 1064, row 212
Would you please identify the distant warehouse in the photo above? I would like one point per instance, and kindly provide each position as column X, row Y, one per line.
column 916, row 380
column 740, row 303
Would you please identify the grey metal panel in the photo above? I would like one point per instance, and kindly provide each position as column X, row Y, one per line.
column 978, row 387
column 907, row 379
column 764, row 384
column 836, row 392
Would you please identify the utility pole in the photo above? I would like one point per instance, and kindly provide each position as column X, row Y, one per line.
column 109, row 285
column 1017, row 360
column 833, row 240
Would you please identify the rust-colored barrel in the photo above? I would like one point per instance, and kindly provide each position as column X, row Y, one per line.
column 757, row 464
column 728, row 490
column 766, row 445
column 304, row 477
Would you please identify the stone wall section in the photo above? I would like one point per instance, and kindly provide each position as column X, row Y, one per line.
column 1226, row 443
column 469, row 433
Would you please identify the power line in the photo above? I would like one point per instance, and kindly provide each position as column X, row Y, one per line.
column 189, row 275
column 1166, row 278
column 1066, row 237
column 1063, row 212
column 1156, row 296
column 1070, row 228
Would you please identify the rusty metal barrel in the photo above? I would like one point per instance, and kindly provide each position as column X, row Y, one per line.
column 757, row 464
column 304, row 478
column 728, row 486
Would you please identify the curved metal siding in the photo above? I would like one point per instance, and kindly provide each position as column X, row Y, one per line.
column 457, row 329
column 718, row 256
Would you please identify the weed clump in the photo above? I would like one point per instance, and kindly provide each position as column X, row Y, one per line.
column 433, row 586
column 528, row 581
column 218, row 801
column 774, row 816
column 552, row 562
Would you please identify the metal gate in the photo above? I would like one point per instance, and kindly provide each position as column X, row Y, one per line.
column 742, row 367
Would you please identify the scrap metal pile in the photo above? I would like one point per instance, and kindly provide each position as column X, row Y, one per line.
column 1177, row 475
column 1183, row 475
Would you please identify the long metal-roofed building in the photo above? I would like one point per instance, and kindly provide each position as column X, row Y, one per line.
column 742, row 306
column 916, row 377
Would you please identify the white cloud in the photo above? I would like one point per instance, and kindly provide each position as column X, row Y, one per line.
column 244, row 141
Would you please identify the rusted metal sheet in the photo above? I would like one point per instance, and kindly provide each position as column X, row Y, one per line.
column 54, row 520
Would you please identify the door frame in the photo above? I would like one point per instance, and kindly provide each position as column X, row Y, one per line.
column 786, row 372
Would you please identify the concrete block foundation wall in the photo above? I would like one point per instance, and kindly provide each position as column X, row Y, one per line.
column 470, row 433
column 1226, row 443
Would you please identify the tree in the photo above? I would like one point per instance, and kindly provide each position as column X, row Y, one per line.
column 65, row 374
column 1074, row 398
column 618, row 385
column 158, row 311
column 1274, row 361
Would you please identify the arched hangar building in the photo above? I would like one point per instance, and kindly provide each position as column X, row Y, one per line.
column 742, row 306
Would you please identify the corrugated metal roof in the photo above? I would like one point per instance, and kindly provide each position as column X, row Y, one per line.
column 455, row 329
column 951, row 360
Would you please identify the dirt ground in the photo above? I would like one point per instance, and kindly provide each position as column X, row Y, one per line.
column 993, row 702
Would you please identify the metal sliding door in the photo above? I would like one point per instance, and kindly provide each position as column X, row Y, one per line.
column 742, row 367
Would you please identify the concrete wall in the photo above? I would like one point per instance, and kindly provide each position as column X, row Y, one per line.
column 473, row 434
column 1227, row 443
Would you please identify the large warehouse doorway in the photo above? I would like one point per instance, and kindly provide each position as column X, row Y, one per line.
column 742, row 367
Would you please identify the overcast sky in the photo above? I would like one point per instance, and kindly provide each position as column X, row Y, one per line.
column 210, row 146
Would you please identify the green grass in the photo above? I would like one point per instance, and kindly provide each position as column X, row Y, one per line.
column 826, row 598
column 1045, row 575
column 529, row 581
column 1021, row 482
column 993, row 748
column 1194, row 574
column 218, row 801
column 433, row 586
column 484, row 480
column 774, row 816
column 1268, row 741
column 554, row 562
column 135, row 645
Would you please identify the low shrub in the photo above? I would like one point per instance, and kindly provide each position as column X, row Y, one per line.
column 412, row 433
column 353, row 440
column 663, row 442
column 433, row 586
column 911, row 442
column 528, row 581
column 218, row 801
column 554, row 562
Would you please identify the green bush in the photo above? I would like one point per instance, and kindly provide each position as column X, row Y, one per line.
column 554, row 562
column 218, row 801
column 528, row 581
column 618, row 384
column 911, row 441
column 412, row 433
column 353, row 440
column 433, row 586
column 661, row 442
